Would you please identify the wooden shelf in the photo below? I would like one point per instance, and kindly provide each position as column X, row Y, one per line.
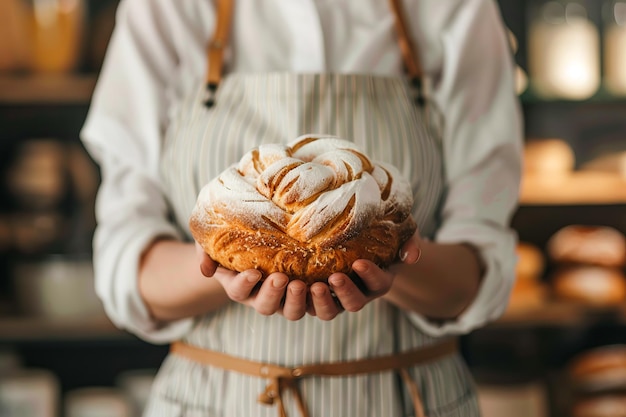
column 37, row 329
column 601, row 96
column 579, row 188
column 46, row 89
column 556, row 313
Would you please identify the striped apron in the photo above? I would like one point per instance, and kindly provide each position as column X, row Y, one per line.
column 381, row 116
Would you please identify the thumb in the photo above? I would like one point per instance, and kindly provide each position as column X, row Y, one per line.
column 207, row 265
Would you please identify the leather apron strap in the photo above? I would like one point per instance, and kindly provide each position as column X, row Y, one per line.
column 218, row 44
column 217, row 47
column 283, row 378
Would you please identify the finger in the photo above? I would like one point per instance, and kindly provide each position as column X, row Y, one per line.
column 325, row 306
column 269, row 298
column 295, row 305
column 310, row 308
column 377, row 281
column 240, row 287
column 351, row 297
column 411, row 251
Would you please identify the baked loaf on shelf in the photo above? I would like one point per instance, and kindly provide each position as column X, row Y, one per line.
column 308, row 209
column 591, row 285
column 588, row 244
column 529, row 291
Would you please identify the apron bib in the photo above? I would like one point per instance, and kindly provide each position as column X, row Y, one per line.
column 379, row 115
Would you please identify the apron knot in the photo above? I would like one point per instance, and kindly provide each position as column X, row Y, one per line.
column 268, row 396
column 273, row 394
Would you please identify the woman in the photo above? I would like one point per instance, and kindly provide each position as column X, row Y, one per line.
column 168, row 115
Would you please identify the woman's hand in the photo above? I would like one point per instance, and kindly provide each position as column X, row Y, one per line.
column 273, row 295
column 342, row 293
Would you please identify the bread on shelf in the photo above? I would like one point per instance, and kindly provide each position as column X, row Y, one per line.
column 589, row 285
column 548, row 158
column 589, row 245
column 599, row 370
column 529, row 292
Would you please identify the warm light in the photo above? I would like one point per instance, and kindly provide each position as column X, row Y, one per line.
column 564, row 58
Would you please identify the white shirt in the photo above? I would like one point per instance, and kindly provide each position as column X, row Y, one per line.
column 157, row 56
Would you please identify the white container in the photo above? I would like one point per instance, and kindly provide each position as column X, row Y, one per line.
column 563, row 52
column 521, row 400
column 97, row 402
column 137, row 385
column 615, row 47
column 57, row 287
column 29, row 393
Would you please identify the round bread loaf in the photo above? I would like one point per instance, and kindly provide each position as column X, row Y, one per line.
column 609, row 405
column 592, row 285
column 530, row 262
column 591, row 245
column 527, row 295
column 599, row 369
column 548, row 157
column 308, row 209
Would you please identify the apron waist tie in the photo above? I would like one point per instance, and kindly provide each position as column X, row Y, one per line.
column 284, row 378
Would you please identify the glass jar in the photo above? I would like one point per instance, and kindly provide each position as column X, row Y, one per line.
column 564, row 50
column 615, row 46
column 14, row 43
column 57, row 33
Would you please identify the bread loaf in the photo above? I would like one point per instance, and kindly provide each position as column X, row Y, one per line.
column 530, row 262
column 591, row 245
column 591, row 285
column 308, row 209
column 548, row 158
column 609, row 405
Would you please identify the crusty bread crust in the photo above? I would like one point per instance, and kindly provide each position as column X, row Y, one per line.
column 239, row 248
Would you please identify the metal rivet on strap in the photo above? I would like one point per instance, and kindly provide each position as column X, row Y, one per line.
column 296, row 372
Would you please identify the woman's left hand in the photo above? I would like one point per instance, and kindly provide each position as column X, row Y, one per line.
column 342, row 293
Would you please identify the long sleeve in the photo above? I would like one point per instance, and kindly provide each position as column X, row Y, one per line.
column 123, row 133
column 483, row 150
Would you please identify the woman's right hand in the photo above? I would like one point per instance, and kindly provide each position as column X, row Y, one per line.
column 275, row 294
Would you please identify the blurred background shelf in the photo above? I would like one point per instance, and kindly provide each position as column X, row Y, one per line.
column 601, row 96
column 579, row 188
column 562, row 314
column 33, row 329
column 46, row 89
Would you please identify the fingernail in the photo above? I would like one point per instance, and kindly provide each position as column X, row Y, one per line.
column 296, row 290
column 204, row 271
column 338, row 282
column 253, row 277
column 279, row 282
column 419, row 255
column 360, row 267
column 405, row 254
column 318, row 291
